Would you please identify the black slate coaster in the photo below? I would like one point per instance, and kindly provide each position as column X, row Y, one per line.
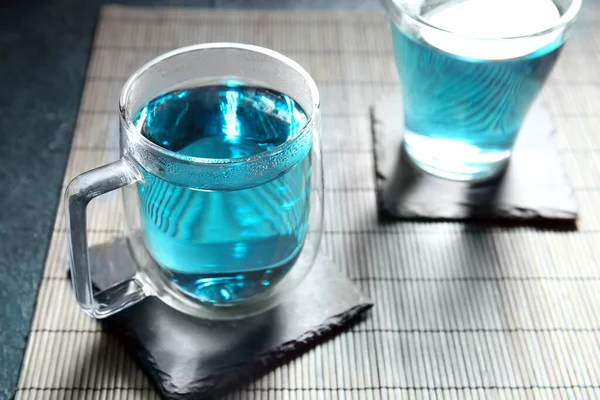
column 533, row 187
column 189, row 358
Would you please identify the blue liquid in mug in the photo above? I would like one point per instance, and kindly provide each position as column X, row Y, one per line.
column 465, row 100
column 225, row 246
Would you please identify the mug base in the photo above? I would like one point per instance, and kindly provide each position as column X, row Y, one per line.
column 156, row 282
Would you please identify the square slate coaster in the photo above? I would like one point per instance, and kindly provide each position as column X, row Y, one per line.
column 534, row 186
column 189, row 358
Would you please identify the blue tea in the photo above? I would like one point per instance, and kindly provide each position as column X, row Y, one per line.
column 465, row 100
column 225, row 246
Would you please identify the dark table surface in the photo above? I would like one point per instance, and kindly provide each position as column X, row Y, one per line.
column 44, row 47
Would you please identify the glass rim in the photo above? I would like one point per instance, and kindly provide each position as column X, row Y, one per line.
column 125, row 112
column 397, row 10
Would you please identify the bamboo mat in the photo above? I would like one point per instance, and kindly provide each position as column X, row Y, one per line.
column 461, row 311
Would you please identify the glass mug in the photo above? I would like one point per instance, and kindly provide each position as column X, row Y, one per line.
column 222, row 183
column 470, row 71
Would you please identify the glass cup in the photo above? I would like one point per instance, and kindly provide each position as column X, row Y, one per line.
column 217, row 238
column 469, row 71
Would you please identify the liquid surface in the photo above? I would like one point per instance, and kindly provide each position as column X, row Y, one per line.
column 465, row 100
column 225, row 246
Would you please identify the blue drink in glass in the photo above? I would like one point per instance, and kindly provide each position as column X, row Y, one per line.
column 465, row 99
column 225, row 246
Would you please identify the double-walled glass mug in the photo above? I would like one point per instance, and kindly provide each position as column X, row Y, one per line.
column 222, row 183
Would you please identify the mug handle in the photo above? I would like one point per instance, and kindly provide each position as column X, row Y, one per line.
column 79, row 193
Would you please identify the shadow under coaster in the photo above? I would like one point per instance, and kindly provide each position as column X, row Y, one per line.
column 191, row 358
column 534, row 186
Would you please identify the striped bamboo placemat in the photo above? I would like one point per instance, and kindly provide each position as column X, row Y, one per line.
column 462, row 311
